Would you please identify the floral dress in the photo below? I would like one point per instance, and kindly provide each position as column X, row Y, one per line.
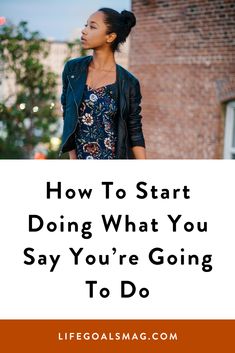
column 96, row 132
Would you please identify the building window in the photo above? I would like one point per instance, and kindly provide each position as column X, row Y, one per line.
column 229, row 136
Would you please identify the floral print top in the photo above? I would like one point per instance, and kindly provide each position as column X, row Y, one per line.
column 96, row 133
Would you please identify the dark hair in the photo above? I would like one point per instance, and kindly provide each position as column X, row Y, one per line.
column 119, row 23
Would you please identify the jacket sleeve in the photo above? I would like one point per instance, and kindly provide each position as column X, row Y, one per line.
column 64, row 88
column 134, row 123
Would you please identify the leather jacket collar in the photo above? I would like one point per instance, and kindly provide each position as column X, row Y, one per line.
column 78, row 76
column 129, row 126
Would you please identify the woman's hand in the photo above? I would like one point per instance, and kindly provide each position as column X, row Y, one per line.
column 72, row 154
column 139, row 152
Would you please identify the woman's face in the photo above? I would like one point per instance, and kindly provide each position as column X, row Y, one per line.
column 94, row 34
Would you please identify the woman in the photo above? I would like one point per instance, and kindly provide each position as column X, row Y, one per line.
column 100, row 99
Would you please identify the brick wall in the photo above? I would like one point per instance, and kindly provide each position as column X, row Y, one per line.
column 183, row 53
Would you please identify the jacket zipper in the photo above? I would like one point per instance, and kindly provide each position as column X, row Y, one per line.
column 60, row 153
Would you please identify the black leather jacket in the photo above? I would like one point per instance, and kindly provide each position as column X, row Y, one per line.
column 129, row 126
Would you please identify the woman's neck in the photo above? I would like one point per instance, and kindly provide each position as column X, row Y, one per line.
column 103, row 61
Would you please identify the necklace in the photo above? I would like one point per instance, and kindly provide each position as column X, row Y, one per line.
column 93, row 97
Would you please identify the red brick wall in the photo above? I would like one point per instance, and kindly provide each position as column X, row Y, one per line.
column 183, row 53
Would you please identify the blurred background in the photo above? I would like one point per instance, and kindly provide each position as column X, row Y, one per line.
column 182, row 52
column 36, row 39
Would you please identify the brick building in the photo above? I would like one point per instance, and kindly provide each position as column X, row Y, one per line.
column 183, row 53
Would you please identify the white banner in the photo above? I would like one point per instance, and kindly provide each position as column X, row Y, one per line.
column 117, row 239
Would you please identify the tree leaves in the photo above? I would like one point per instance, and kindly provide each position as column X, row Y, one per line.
column 26, row 122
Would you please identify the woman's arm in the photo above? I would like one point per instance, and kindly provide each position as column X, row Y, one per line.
column 134, row 123
column 64, row 88
column 72, row 154
column 139, row 152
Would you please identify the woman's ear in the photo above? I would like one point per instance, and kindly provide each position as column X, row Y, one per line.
column 112, row 37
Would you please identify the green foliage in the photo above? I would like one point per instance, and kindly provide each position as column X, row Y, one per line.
column 27, row 115
column 76, row 47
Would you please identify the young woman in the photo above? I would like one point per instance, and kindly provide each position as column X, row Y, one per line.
column 100, row 99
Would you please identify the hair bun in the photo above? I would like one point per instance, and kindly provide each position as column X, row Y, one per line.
column 129, row 18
